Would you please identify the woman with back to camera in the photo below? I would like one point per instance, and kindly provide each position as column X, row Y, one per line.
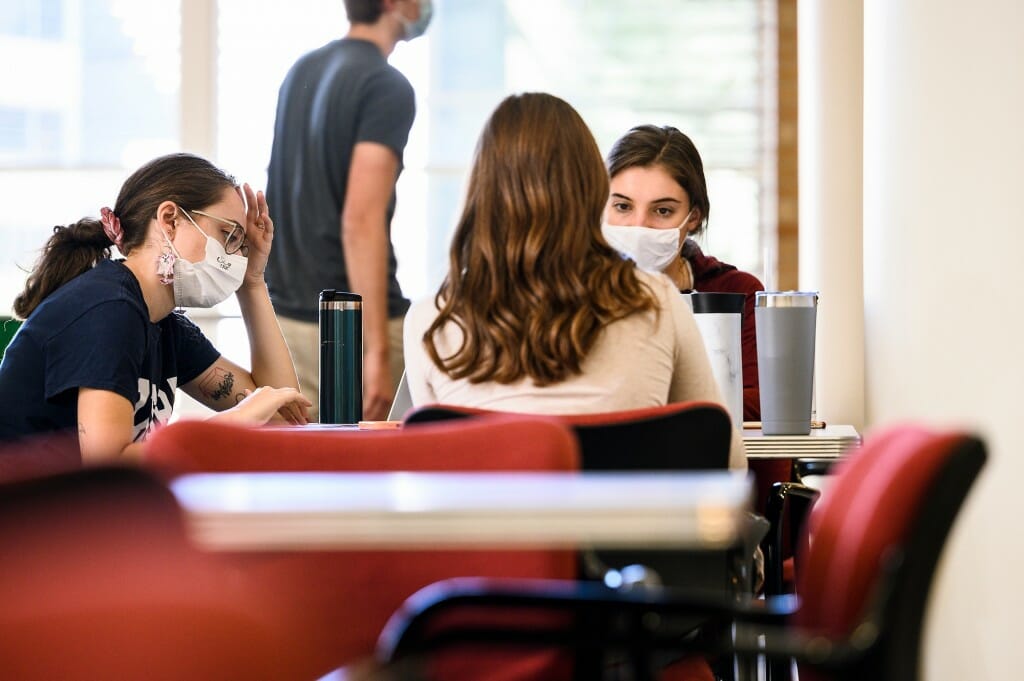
column 659, row 200
column 538, row 314
column 102, row 348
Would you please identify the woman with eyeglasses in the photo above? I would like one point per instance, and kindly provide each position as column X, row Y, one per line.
column 103, row 347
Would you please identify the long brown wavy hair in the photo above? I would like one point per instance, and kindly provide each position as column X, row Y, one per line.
column 186, row 179
column 531, row 282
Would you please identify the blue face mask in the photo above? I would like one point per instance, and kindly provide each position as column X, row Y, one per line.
column 414, row 29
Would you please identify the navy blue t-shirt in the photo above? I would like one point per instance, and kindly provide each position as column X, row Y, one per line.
column 94, row 332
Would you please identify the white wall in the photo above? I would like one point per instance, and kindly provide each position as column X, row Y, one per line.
column 831, row 56
column 943, row 244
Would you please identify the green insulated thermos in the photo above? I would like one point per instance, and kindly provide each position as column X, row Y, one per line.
column 341, row 357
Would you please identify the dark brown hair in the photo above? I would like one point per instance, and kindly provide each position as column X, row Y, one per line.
column 531, row 282
column 363, row 11
column 649, row 145
column 187, row 180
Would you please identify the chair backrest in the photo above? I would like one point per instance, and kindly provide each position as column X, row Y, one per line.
column 97, row 581
column 38, row 456
column 500, row 443
column 876, row 537
column 346, row 597
column 679, row 436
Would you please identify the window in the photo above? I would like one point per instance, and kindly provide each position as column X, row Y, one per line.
column 32, row 18
column 694, row 64
column 102, row 93
column 90, row 90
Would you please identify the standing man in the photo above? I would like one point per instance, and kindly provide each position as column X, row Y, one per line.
column 343, row 118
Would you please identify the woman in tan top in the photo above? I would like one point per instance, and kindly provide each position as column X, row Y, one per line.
column 538, row 313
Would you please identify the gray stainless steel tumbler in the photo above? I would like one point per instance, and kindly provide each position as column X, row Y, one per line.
column 785, row 322
column 341, row 357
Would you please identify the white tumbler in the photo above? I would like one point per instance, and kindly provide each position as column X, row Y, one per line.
column 785, row 323
column 720, row 319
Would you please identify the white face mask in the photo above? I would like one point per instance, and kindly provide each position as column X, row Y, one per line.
column 652, row 249
column 414, row 29
column 210, row 281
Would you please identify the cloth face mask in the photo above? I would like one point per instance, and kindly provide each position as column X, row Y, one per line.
column 414, row 29
column 210, row 281
column 651, row 249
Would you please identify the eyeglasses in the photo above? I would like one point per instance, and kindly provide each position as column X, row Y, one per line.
column 235, row 240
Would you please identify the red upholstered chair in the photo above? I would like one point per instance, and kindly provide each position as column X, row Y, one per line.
column 39, row 456
column 680, row 436
column 683, row 435
column 768, row 472
column 787, row 505
column 864, row 580
column 344, row 598
column 97, row 581
column 877, row 537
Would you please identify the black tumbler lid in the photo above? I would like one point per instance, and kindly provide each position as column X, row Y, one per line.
column 329, row 295
column 720, row 303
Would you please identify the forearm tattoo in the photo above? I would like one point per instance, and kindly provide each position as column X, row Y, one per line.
column 218, row 384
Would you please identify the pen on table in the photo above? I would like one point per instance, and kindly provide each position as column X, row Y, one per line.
column 756, row 425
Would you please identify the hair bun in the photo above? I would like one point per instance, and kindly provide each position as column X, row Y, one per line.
column 85, row 232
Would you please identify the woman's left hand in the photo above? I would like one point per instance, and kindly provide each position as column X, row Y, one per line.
column 259, row 233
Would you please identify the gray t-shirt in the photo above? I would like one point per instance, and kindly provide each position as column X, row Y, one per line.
column 333, row 98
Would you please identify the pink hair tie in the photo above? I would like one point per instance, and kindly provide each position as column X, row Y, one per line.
column 111, row 226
